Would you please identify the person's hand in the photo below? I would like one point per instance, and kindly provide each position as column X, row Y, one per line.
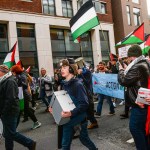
column 65, row 114
column 50, row 110
column 141, row 105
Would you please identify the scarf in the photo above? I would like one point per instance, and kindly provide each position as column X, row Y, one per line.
column 4, row 77
column 135, row 61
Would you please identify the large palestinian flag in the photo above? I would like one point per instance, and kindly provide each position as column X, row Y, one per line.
column 10, row 58
column 84, row 20
column 135, row 37
column 146, row 45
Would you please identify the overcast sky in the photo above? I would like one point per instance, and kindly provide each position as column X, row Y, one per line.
column 148, row 6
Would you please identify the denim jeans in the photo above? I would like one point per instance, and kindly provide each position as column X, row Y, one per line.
column 68, row 130
column 43, row 97
column 137, row 128
column 101, row 98
column 10, row 134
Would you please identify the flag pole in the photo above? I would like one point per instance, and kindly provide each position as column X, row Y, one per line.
column 81, row 49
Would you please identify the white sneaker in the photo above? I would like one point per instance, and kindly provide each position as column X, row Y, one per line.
column 121, row 103
column 36, row 125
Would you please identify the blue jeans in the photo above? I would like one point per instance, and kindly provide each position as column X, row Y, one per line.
column 137, row 128
column 43, row 97
column 101, row 98
column 10, row 134
column 68, row 130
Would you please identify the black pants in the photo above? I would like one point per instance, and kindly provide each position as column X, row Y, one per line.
column 90, row 113
column 29, row 112
column 33, row 98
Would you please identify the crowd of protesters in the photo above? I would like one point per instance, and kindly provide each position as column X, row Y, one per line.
column 75, row 77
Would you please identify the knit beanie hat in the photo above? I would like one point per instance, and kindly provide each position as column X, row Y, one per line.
column 4, row 69
column 134, row 51
column 70, row 62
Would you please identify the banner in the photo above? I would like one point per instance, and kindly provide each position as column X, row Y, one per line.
column 107, row 84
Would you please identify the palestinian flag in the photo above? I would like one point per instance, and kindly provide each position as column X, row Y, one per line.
column 135, row 37
column 84, row 20
column 10, row 58
column 145, row 46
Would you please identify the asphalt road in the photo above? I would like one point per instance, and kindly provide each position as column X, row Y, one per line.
column 112, row 133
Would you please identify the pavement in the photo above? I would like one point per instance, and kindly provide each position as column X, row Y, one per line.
column 112, row 133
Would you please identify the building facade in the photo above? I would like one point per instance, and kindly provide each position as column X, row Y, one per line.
column 42, row 30
column 128, row 15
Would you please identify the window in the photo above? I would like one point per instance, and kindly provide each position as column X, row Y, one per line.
column 49, row 7
column 67, row 8
column 27, row 46
column 80, row 3
column 105, row 48
column 136, row 13
column 3, row 42
column 128, row 15
column 135, row 1
column 63, row 46
column 100, row 7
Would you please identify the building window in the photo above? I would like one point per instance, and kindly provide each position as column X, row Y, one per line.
column 63, row 46
column 67, row 8
column 128, row 15
column 136, row 13
column 49, row 7
column 27, row 46
column 136, row 1
column 100, row 7
column 105, row 48
column 81, row 2
column 3, row 42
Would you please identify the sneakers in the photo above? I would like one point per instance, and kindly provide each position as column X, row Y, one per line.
column 92, row 126
column 97, row 115
column 111, row 113
column 121, row 103
column 36, row 125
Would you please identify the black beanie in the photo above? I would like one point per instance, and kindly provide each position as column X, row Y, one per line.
column 134, row 51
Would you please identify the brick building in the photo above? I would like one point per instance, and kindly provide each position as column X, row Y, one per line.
column 42, row 30
column 128, row 15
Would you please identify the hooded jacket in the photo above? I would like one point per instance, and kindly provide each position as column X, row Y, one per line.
column 77, row 92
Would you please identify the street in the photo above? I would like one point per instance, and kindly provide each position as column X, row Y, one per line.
column 112, row 133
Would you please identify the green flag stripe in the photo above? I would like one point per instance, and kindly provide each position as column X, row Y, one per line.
column 132, row 40
column 145, row 50
column 85, row 27
column 9, row 64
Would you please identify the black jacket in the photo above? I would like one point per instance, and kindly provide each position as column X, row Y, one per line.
column 135, row 78
column 9, row 101
column 77, row 92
